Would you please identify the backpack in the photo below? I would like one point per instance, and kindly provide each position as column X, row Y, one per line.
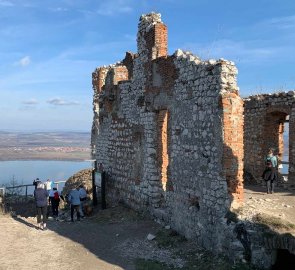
column 268, row 163
column 56, row 196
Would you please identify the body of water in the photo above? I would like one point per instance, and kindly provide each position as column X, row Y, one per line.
column 24, row 172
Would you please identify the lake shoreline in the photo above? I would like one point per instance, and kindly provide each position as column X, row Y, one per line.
column 25, row 171
column 45, row 159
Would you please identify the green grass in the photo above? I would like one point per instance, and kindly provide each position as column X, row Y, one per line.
column 198, row 259
column 273, row 222
column 205, row 262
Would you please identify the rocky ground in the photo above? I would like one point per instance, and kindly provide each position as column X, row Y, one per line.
column 115, row 238
column 279, row 205
column 118, row 238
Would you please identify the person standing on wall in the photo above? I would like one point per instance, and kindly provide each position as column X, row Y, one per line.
column 270, row 174
column 40, row 195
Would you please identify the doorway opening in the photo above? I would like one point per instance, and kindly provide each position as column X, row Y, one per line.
column 284, row 168
column 276, row 136
column 162, row 123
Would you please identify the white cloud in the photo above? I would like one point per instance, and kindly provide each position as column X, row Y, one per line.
column 25, row 61
column 59, row 9
column 6, row 3
column 238, row 51
column 281, row 22
column 60, row 102
column 113, row 7
column 30, row 102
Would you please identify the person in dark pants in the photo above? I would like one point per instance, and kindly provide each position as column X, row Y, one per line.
column 54, row 197
column 270, row 174
column 40, row 195
column 74, row 199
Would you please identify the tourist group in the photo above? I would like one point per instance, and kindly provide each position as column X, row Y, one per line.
column 47, row 199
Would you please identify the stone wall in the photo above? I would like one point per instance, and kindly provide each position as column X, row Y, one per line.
column 169, row 133
column 265, row 118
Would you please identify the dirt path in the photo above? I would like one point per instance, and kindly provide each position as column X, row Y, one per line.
column 280, row 204
column 88, row 244
column 115, row 238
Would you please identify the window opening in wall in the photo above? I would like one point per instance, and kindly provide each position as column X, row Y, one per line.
column 163, row 146
column 284, row 168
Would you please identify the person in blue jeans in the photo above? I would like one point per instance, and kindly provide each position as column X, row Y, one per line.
column 74, row 199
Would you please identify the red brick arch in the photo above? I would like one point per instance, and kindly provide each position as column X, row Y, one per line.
column 273, row 130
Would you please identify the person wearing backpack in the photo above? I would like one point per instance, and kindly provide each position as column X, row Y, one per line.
column 55, row 202
column 270, row 174
column 54, row 198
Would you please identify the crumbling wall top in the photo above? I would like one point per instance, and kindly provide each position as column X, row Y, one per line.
column 146, row 21
column 151, row 37
column 262, row 97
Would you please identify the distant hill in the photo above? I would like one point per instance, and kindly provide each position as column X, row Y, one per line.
column 44, row 145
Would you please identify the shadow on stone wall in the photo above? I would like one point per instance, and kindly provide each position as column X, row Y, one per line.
column 231, row 173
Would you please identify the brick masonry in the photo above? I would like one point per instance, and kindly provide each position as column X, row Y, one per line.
column 265, row 118
column 168, row 130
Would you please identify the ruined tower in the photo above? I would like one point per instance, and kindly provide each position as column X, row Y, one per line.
column 168, row 130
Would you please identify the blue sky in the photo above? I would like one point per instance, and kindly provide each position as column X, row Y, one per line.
column 49, row 48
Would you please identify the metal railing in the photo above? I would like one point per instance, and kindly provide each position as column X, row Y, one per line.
column 26, row 187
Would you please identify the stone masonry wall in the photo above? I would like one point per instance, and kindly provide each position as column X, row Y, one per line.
column 265, row 117
column 168, row 131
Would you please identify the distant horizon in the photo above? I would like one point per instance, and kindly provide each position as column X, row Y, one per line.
column 49, row 50
column 43, row 130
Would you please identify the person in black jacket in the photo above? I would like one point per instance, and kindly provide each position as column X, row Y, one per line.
column 270, row 173
column 36, row 182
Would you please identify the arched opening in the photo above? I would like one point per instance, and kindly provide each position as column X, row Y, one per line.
column 273, row 132
column 276, row 136
column 285, row 260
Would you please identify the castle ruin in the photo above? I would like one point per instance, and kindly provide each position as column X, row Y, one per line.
column 266, row 117
column 169, row 132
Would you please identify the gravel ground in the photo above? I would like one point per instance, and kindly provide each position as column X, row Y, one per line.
column 280, row 204
column 115, row 238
